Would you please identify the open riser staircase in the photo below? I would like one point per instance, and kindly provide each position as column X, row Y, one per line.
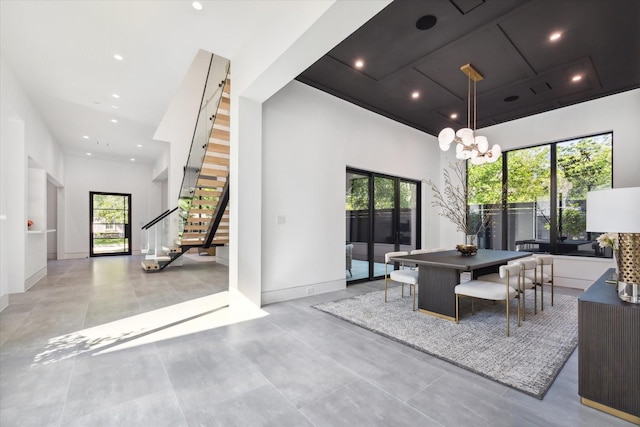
column 201, row 219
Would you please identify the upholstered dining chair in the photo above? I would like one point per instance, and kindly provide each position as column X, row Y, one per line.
column 518, row 282
column 405, row 275
column 491, row 290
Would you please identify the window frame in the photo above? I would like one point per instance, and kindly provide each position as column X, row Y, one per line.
column 553, row 189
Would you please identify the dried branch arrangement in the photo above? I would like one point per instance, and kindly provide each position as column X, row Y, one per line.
column 452, row 202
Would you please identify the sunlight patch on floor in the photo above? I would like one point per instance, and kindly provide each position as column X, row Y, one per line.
column 189, row 317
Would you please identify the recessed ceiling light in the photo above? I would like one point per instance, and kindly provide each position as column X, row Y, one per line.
column 511, row 98
column 88, row 154
column 576, row 78
column 114, row 121
column 359, row 63
column 133, row 160
column 415, row 95
column 140, row 145
column 555, row 36
column 115, row 107
column 454, row 116
column 118, row 57
column 85, row 136
column 197, row 5
column 115, row 95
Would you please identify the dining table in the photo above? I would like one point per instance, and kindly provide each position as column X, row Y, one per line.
column 439, row 273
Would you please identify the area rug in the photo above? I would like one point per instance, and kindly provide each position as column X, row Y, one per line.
column 529, row 360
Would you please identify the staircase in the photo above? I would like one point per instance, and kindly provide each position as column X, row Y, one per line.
column 201, row 219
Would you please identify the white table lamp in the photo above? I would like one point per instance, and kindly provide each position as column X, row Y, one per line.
column 618, row 210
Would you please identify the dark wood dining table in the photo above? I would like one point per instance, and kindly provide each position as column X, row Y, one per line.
column 439, row 273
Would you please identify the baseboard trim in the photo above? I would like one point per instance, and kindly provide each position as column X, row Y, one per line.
column 34, row 278
column 279, row 295
column 4, row 301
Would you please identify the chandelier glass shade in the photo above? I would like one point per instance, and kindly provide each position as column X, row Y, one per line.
column 469, row 145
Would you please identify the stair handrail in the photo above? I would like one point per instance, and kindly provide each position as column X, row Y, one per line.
column 159, row 218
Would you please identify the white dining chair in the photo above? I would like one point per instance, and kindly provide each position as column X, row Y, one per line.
column 405, row 275
column 491, row 290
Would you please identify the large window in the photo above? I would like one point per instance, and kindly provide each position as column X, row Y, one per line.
column 536, row 196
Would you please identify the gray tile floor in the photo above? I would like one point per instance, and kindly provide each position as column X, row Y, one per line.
column 295, row 367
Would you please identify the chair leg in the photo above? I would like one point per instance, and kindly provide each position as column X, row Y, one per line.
column 542, row 296
column 507, row 304
column 535, row 299
column 402, row 290
column 457, row 318
column 350, row 275
column 551, row 281
column 385, row 289
column 524, row 307
column 414, row 297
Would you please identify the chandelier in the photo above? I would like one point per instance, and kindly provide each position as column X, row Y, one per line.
column 470, row 146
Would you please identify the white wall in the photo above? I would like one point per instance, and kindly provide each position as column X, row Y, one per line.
column 84, row 175
column 24, row 135
column 309, row 138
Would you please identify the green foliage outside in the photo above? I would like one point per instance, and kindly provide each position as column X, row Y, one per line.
column 108, row 242
column 110, row 209
column 582, row 165
column 384, row 188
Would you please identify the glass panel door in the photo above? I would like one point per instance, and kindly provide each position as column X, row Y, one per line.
column 409, row 225
column 110, row 232
column 382, row 215
column 358, row 226
column 385, row 219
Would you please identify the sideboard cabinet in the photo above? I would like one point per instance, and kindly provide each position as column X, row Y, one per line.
column 609, row 351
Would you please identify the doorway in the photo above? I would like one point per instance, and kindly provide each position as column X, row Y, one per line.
column 110, row 228
column 382, row 215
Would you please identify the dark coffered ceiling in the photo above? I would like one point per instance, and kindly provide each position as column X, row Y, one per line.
column 507, row 41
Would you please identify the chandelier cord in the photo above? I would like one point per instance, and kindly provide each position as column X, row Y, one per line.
column 475, row 108
column 469, row 102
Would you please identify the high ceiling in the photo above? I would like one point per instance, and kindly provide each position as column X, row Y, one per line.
column 507, row 41
column 62, row 53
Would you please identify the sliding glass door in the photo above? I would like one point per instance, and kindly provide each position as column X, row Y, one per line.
column 382, row 215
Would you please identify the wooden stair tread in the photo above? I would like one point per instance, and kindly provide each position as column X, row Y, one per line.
column 222, row 120
column 225, row 103
column 220, row 134
column 218, row 148
column 206, row 192
column 210, row 183
column 213, row 159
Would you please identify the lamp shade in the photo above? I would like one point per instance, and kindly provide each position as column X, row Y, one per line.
column 616, row 210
